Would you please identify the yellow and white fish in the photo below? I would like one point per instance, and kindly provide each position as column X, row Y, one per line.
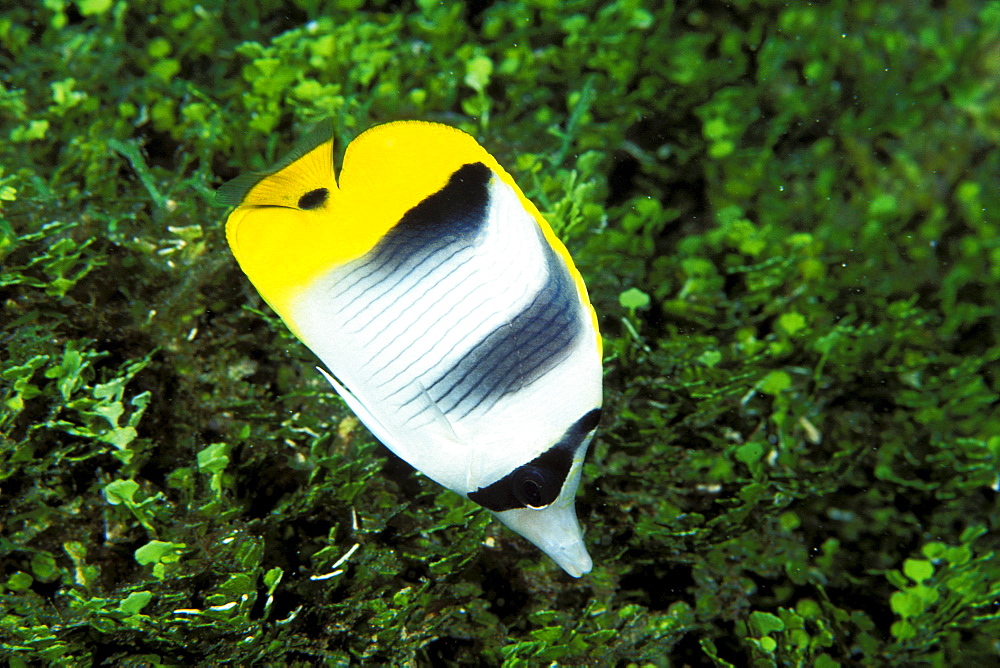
column 451, row 318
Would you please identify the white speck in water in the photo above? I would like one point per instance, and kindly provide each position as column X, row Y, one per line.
column 290, row 618
column 347, row 556
column 840, row 515
column 325, row 576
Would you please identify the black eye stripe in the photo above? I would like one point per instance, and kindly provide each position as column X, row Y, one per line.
column 548, row 469
column 313, row 199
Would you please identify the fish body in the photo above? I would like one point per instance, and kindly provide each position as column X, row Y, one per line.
column 449, row 316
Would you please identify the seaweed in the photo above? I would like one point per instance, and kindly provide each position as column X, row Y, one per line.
column 786, row 214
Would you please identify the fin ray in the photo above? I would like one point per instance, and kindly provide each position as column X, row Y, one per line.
column 236, row 191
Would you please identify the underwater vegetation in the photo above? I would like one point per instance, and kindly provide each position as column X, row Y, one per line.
column 787, row 218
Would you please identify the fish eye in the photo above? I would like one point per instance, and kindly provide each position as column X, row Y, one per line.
column 313, row 199
column 534, row 487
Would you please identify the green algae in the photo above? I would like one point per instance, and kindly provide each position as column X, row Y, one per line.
column 787, row 218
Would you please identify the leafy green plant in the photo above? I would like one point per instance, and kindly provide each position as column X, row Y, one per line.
column 948, row 590
column 786, row 218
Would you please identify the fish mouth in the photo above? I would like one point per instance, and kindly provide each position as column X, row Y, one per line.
column 574, row 559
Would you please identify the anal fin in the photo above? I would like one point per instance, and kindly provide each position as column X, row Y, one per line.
column 374, row 425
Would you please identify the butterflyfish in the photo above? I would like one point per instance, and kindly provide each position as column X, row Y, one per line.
column 448, row 315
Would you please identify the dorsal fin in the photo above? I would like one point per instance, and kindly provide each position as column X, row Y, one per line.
column 306, row 168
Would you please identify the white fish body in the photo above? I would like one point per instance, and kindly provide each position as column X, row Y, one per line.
column 457, row 327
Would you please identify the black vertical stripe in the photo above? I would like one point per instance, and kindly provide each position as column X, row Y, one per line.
column 553, row 465
column 519, row 352
column 452, row 217
column 454, row 214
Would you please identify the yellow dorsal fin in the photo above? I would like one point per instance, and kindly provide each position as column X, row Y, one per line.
column 391, row 168
column 307, row 167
